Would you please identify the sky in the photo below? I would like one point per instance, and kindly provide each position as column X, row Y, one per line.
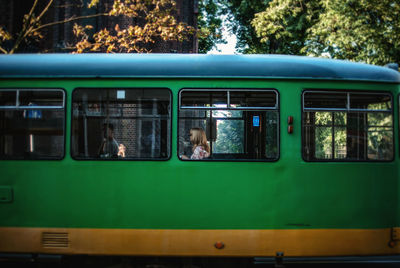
column 228, row 48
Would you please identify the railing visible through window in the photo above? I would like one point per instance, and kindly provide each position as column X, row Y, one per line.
column 228, row 124
column 347, row 126
column 32, row 123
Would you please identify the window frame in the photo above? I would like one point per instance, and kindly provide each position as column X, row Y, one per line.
column 347, row 110
column 228, row 90
column 170, row 109
column 228, row 108
column 18, row 107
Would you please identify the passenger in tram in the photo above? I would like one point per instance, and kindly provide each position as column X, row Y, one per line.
column 121, row 150
column 200, row 149
column 109, row 147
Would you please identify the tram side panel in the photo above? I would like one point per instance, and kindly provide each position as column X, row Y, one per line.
column 177, row 207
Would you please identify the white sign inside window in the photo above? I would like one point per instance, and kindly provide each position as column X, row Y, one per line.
column 121, row 94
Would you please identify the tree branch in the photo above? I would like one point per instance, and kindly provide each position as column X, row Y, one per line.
column 24, row 29
column 29, row 26
column 3, row 50
column 69, row 20
column 44, row 10
column 32, row 10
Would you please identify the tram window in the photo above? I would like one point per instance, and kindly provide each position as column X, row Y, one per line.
column 252, row 99
column 41, row 98
column 325, row 100
column 361, row 129
column 124, row 124
column 32, row 123
column 239, row 124
column 204, row 99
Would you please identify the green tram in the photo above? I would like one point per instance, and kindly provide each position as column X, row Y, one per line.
column 97, row 156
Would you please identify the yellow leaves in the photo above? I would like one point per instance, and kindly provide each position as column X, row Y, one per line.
column 138, row 32
column 127, row 8
column 96, row 46
column 36, row 34
column 82, row 46
column 110, row 48
column 78, row 30
column 29, row 19
column 155, row 22
column 4, row 35
column 93, row 3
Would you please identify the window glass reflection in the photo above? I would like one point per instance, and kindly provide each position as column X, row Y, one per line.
column 121, row 124
column 229, row 132
column 363, row 132
column 35, row 131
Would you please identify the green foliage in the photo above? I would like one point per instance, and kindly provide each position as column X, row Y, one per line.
column 242, row 13
column 333, row 126
column 210, row 25
column 250, row 39
column 230, row 137
column 284, row 24
column 326, row 122
column 380, row 134
column 230, row 133
column 362, row 30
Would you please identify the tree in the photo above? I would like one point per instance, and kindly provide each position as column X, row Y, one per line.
column 284, row 25
column 229, row 136
column 242, row 13
column 210, row 25
column 364, row 30
column 250, row 19
column 154, row 21
column 237, row 16
column 158, row 23
column 32, row 27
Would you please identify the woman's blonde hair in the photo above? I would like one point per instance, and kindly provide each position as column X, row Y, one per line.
column 199, row 138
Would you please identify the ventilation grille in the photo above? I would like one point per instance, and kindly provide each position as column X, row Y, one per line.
column 55, row 240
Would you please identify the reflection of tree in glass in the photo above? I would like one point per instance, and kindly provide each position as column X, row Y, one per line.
column 323, row 135
column 380, row 136
column 340, row 124
column 323, row 143
column 380, row 106
column 333, row 126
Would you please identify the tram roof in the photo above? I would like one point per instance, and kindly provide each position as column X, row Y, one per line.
column 189, row 66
